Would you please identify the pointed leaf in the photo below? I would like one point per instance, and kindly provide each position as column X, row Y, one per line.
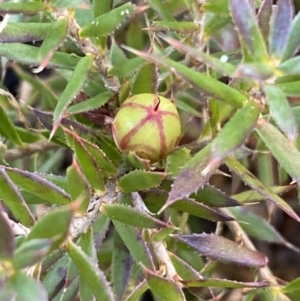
column 74, row 85
column 13, row 199
column 282, row 149
column 138, row 291
column 146, row 80
column 122, row 264
column 135, row 244
column 222, row 249
column 290, row 89
column 280, row 26
column 93, row 276
column 107, row 23
column 249, row 179
column 38, row 185
column 166, row 289
column 290, row 66
column 7, row 242
column 235, row 132
column 138, row 180
column 132, row 216
column 264, row 17
column 21, row 7
column 176, row 160
column 281, row 111
column 292, row 286
column 247, row 27
column 163, row 11
column 100, row 228
column 256, row 71
column 54, row 225
column 183, row 27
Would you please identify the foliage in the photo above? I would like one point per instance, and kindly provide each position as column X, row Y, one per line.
column 110, row 226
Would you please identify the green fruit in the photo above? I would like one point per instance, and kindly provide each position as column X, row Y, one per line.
column 148, row 125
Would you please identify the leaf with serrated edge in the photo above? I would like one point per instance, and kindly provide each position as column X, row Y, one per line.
column 24, row 8
column 281, row 148
column 281, row 111
column 247, row 27
column 248, row 178
column 38, row 185
column 264, row 16
column 13, row 199
column 176, row 160
column 145, row 80
column 74, row 85
column 222, row 249
column 93, row 276
column 162, row 10
column 7, row 243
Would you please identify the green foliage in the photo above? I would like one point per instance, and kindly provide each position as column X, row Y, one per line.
column 80, row 220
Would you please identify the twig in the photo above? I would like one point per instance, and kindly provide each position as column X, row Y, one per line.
column 28, row 150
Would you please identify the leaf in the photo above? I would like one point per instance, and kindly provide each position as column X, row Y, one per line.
column 222, row 249
column 244, row 19
column 54, row 225
column 107, row 23
column 74, row 85
column 7, row 128
column 204, row 83
column 162, row 10
column 39, row 186
column 290, row 66
column 281, row 111
column 138, row 180
column 7, row 243
column 264, row 17
column 235, row 132
column 290, row 89
column 182, row 27
column 93, row 276
column 27, row 288
column 258, row 227
column 13, row 199
column 78, row 187
column 27, row 54
column 91, row 103
column 132, row 216
column 293, row 40
column 31, row 252
column 176, row 160
column 248, row 178
column 54, row 38
column 135, row 244
column 292, row 286
column 122, row 264
column 280, row 26
column 219, row 7
column 24, row 8
column 282, row 149
column 138, row 291
column 256, row 71
column 166, row 289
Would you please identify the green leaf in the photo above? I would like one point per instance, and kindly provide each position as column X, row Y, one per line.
column 204, row 83
column 91, row 103
column 122, row 263
column 247, row 27
column 235, row 132
column 54, row 38
column 219, row 7
column 74, row 85
column 248, row 178
column 54, row 225
column 163, row 10
column 290, row 89
column 214, row 22
column 264, row 17
column 27, row 288
column 7, row 243
column 182, row 27
column 138, row 291
column 100, row 228
column 38, row 185
column 290, row 66
column 132, row 216
column 176, row 160
column 138, row 180
column 280, row 27
column 222, row 249
column 282, row 149
column 292, row 286
column 107, row 23
column 22, row 7
column 31, row 252
column 27, row 54
column 78, row 187
column 165, row 288
column 7, row 128
column 134, row 242
column 13, row 199
column 93, row 276
column 146, row 80
column 281, row 111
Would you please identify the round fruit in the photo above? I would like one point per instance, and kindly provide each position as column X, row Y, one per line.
column 148, row 125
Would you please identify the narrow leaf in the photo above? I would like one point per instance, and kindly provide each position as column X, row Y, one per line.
column 183, row 27
column 140, row 180
column 146, row 80
column 281, row 111
column 176, row 160
column 38, row 185
column 138, row 291
column 222, row 249
column 280, row 26
column 163, row 11
column 247, row 27
column 264, row 17
column 74, row 85
column 7, row 243
column 22, row 7
column 290, row 66
column 93, row 276
column 13, row 199
column 248, row 178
